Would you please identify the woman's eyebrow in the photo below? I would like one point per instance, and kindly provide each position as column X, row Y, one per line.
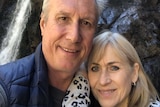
column 112, row 62
column 95, row 63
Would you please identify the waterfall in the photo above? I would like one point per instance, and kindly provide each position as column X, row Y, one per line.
column 10, row 44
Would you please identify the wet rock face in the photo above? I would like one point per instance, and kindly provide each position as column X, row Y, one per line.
column 6, row 10
column 32, row 34
column 137, row 20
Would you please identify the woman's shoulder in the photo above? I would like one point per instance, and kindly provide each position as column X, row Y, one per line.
column 154, row 104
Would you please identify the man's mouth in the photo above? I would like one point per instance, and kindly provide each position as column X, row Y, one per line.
column 69, row 50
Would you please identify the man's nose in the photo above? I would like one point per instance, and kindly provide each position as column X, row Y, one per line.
column 75, row 33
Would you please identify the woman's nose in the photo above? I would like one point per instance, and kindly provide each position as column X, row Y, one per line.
column 104, row 78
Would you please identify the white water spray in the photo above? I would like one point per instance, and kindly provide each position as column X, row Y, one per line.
column 10, row 44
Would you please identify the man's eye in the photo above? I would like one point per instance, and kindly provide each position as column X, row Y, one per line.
column 86, row 23
column 94, row 68
column 62, row 19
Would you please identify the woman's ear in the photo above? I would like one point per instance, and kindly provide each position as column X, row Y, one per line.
column 135, row 72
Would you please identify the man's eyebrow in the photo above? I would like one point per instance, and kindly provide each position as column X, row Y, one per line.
column 91, row 17
column 63, row 12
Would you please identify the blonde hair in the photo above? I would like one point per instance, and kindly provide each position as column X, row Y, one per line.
column 144, row 91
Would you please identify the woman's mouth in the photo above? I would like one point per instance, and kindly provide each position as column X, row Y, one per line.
column 107, row 93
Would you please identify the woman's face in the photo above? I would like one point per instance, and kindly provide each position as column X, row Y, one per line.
column 111, row 79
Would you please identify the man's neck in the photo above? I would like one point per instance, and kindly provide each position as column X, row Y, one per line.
column 60, row 80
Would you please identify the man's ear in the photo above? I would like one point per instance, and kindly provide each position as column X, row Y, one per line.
column 42, row 24
column 135, row 72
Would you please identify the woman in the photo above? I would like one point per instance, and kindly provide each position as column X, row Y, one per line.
column 116, row 75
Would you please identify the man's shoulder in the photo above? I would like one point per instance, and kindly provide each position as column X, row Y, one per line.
column 3, row 97
column 17, row 69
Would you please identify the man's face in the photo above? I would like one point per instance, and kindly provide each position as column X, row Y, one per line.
column 67, row 33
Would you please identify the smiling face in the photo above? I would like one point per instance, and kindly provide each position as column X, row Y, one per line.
column 67, row 33
column 110, row 79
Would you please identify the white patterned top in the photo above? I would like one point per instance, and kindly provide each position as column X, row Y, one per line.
column 77, row 95
column 154, row 104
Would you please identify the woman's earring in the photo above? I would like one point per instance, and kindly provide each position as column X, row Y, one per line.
column 133, row 83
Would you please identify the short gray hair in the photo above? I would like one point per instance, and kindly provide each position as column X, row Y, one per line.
column 100, row 4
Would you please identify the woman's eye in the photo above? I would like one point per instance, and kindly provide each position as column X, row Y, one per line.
column 94, row 68
column 113, row 68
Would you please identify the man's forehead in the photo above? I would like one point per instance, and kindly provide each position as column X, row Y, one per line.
column 74, row 8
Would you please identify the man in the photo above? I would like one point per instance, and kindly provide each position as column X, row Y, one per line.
column 41, row 79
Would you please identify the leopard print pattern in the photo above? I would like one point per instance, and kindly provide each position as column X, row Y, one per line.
column 154, row 104
column 78, row 92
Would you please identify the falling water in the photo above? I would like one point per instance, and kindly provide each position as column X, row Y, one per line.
column 10, row 44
